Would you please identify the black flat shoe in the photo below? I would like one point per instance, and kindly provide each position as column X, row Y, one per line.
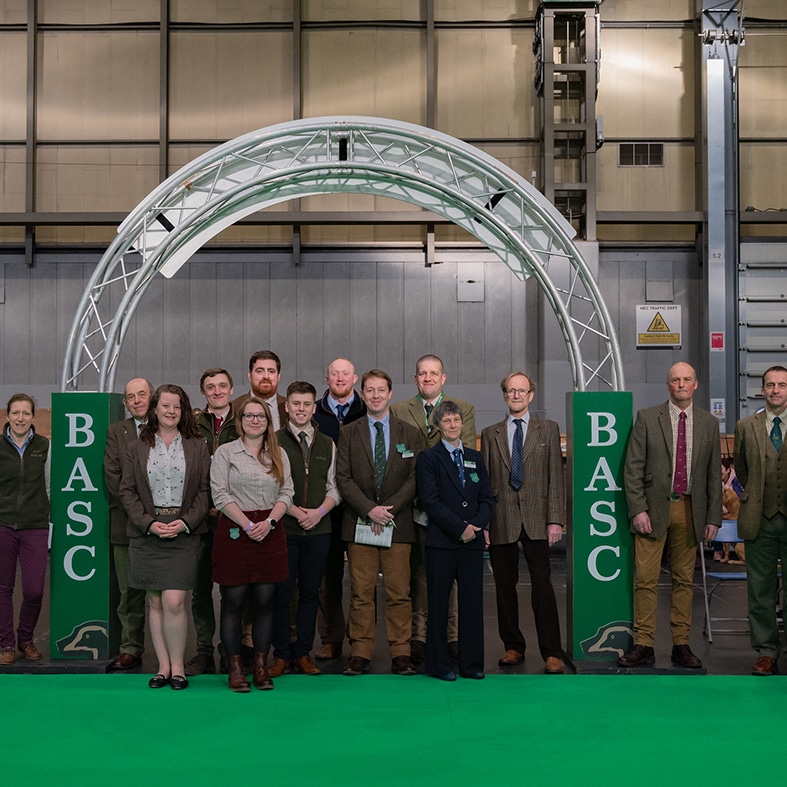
column 178, row 682
column 158, row 681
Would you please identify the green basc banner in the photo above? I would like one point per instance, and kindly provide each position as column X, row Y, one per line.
column 82, row 617
column 600, row 559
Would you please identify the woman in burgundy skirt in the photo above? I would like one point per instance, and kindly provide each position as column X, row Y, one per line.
column 252, row 487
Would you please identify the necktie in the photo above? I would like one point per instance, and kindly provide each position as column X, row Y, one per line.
column 459, row 464
column 341, row 409
column 219, row 422
column 517, row 477
column 681, row 473
column 379, row 457
column 303, row 437
column 428, row 407
column 776, row 434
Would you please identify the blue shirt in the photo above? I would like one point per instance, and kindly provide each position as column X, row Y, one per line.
column 386, row 422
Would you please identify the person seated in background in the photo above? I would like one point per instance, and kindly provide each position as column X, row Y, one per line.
column 730, row 505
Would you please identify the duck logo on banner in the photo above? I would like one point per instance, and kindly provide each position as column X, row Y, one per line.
column 87, row 640
column 611, row 641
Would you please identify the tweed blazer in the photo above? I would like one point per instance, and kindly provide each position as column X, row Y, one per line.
column 120, row 436
column 449, row 505
column 751, row 442
column 137, row 499
column 412, row 412
column 540, row 501
column 355, row 476
column 648, row 469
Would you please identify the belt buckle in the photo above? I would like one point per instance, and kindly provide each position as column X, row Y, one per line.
column 674, row 497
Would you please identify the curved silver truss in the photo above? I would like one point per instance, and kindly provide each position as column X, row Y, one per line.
column 343, row 154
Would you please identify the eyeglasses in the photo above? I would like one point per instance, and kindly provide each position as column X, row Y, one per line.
column 255, row 417
column 517, row 391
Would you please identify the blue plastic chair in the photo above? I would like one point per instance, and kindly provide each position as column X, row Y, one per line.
column 728, row 534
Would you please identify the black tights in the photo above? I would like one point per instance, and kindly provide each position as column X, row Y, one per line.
column 233, row 602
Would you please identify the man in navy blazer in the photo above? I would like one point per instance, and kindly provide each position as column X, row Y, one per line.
column 455, row 492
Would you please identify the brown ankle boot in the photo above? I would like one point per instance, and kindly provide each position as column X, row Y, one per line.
column 262, row 678
column 236, row 677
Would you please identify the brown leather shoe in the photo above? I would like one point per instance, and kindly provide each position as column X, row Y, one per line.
column 638, row 656
column 125, row 661
column 357, row 665
column 511, row 658
column 236, row 675
column 279, row 667
column 766, row 665
column 306, row 666
column 417, row 651
column 29, row 651
column 683, row 657
column 202, row 664
column 328, row 651
column 7, row 656
column 262, row 678
column 401, row 665
column 553, row 665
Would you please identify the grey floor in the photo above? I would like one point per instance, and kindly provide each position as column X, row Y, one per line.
column 729, row 654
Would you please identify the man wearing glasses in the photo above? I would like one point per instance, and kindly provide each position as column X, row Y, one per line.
column 522, row 454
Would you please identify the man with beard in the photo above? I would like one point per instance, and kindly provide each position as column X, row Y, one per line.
column 264, row 375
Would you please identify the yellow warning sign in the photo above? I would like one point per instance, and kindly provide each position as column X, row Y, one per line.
column 658, row 325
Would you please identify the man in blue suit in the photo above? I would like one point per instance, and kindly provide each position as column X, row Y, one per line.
column 454, row 490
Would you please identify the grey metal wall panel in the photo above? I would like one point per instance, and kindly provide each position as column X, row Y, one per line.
column 378, row 307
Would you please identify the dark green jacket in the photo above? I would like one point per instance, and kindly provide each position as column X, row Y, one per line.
column 24, row 503
column 309, row 488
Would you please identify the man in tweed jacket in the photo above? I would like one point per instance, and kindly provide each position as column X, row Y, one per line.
column 529, row 510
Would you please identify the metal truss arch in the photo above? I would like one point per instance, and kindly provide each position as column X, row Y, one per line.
column 351, row 155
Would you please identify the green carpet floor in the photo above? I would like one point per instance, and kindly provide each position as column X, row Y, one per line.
column 389, row 730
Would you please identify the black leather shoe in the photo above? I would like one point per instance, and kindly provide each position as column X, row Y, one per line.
column 476, row 674
column 683, row 657
column 638, row 656
column 178, row 683
column 449, row 676
column 158, row 681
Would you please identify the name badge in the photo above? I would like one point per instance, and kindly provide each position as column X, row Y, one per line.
column 469, row 464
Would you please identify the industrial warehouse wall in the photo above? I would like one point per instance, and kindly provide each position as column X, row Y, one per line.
column 381, row 309
column 361, row 290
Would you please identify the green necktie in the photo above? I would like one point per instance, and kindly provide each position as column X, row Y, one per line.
column 379, row 457
column 304, row 438
column 776, row 434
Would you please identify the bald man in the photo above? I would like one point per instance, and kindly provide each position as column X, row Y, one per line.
column 673, row 486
